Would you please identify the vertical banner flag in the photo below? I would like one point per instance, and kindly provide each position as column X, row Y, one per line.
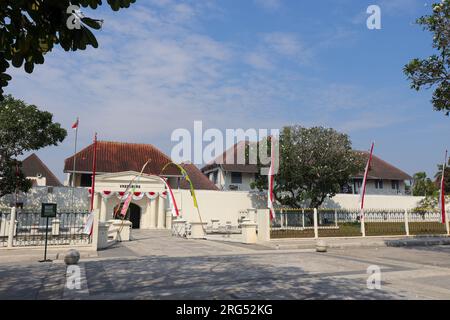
column 442, row 191
column 366, row 172
column 270, row 197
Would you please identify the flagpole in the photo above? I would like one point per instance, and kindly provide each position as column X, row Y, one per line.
column 75, row 153
column 74, row 164
column 442, row 193
column 94, row 168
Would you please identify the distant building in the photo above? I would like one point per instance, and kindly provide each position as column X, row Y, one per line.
column 383, row 178
column 35, row 170
column 226, row 174
column 115, row 157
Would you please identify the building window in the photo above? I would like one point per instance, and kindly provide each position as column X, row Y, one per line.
column 236, row 177
column 215, row 175
column 395, row 185
column 86, row 180
column 378, row 184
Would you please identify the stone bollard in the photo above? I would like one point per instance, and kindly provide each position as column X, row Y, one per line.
column 169, row 220
column 321, row 246
column 248, row 231
column 72, row 257
column 198, row 230
column 103, row 235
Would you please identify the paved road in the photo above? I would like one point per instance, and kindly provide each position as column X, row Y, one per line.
column 157, row 266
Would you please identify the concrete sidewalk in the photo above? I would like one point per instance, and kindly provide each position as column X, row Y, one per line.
column 24, row 254
column 417, row 241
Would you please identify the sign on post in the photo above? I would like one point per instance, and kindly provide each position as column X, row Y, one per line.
column 48, row 210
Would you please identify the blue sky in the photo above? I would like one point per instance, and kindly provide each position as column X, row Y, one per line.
column 245, row 64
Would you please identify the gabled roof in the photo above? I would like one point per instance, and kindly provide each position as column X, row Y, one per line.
column 380, row 169
column 199, row 180
column 119, row 157
column 228, row 160
column 32, row 166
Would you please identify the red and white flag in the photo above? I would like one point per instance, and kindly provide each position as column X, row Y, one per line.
column 442, row 191
column 75, row 124
column 271, row 175
column 366, row 172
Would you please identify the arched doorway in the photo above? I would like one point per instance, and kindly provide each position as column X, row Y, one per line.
column 133, row 214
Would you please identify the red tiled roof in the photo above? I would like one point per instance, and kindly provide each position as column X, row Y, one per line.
column 228, row 160
column 380, row 169
column 119, row 157
column 199, row 180
column 32, row 166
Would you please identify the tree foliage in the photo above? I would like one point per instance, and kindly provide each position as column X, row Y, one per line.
column 23, row 128
column 31, row 28
column 438, row 177
column 434, row 72
column 423, row 186
column 314, row 164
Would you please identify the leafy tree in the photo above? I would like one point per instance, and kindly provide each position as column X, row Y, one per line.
column 438, row 177
column 423, row 186
column 434, row 71
column 12, row 178
column 31, row 28
column 23, row 128
column 314, row 164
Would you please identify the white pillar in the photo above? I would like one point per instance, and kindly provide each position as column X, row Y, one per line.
column 12, row 225
column 363, row 225
column 447, row 223
column 316, row 227
column 103, row 212
column 248, row 231
column 161, row 213
column 263, row 220
column 406, row 222
column 146, row 215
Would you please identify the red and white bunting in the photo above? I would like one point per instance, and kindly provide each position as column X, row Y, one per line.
column 107, row 194
column 138, row 196
column 164, row 193
column 122, row 195
column 152, row 195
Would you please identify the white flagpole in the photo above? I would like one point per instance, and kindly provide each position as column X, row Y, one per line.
column 74, row 163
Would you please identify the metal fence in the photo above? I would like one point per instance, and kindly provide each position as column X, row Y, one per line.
column 299, row 223
column 30, row 229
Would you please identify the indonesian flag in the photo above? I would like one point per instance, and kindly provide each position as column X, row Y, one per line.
column 271, row 175
column 75, row 124
column 366, row 172
column 442, row 192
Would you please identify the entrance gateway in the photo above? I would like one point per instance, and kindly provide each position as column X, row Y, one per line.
column 149, row 199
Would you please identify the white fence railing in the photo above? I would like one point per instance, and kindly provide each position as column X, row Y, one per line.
column 341, row 223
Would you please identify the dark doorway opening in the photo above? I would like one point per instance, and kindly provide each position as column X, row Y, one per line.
column 133, row 214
